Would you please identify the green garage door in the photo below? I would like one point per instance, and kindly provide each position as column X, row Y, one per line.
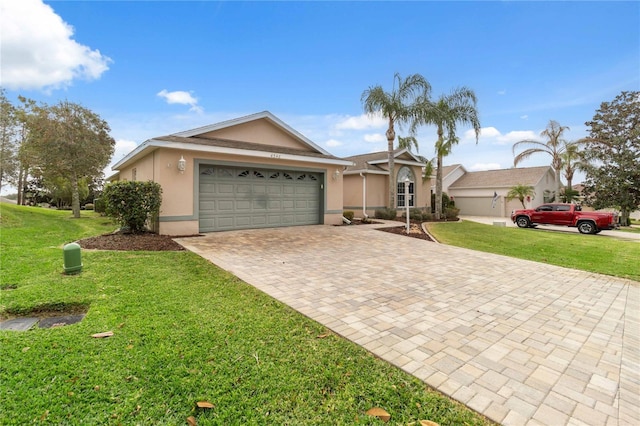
column 246, row 197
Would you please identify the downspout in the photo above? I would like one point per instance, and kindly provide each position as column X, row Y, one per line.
column 364, row 196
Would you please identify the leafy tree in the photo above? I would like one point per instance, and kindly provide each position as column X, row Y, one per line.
column 554, row 147
column 60, row 190
column 521, row 192
column 133, row 204
column 398, row 107
column 612, row 160
column 69, row 141
column 8, row 150
column 459, row 107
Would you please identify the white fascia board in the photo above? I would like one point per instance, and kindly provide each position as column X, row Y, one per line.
column 366, row 171
column 153, row 144
column 405, row 162
column 248, row 118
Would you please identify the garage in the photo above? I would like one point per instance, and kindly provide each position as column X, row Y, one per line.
column 252, row 197
column 479, row 206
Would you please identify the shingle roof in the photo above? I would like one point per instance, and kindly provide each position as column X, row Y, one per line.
column 447, row 169
column 363, row 161
column 501, row 178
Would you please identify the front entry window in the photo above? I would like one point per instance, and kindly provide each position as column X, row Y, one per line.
column 403, row 174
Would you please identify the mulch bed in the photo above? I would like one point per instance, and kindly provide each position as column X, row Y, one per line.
column 415, row 231
column 131, row 242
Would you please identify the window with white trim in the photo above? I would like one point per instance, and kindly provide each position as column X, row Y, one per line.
column 404, row 173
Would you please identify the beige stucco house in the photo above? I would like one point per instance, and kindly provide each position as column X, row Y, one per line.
column 250, row 172
column 366, row 182
column 484, row 193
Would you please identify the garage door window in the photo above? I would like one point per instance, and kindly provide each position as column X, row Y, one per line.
column 403, row 174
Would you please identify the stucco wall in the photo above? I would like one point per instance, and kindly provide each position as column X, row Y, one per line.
column 377, row 194
column 259, row 131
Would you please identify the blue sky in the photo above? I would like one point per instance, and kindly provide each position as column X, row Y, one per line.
column 152, row 68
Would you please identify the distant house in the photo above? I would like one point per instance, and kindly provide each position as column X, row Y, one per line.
column 484, row 193
column 366, row 182
column 249, row 172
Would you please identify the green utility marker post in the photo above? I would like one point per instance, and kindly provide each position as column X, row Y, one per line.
column 72, row 258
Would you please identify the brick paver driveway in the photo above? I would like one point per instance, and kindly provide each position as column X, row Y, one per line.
column 520, row 342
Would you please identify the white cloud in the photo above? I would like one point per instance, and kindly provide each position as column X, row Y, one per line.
column 38, row 51
column 502, row 92
column 524, row 117
column 332, row 143
column 484, row 166
column 362, row 122
column 374, row 138
column 123, row 147
column 180, row 97
column 517, row 135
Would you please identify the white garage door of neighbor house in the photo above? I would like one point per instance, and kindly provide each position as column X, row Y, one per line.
column 251, row 197
column 478, row 206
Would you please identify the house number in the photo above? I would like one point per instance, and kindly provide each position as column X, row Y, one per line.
column 275, row 155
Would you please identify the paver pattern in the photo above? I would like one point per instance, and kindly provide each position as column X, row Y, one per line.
column 521, row 342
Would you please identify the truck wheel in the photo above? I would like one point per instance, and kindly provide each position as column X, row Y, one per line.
column 587, row 228
column 523, row 222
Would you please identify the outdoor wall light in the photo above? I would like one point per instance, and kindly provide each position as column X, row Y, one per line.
column 336, row 174
column 182, row 164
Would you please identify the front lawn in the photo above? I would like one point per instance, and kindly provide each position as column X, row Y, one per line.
column 594, row 253
column 183, row 331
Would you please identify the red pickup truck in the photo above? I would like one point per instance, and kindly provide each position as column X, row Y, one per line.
column 565, row 215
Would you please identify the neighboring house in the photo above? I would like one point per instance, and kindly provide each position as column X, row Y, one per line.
column 450, row 174
column 484, row 193
column 249, row 172
column 366, row 182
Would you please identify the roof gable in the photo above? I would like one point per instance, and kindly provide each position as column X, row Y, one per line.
column 379, row 161
column 262, row 128
column 502, row 178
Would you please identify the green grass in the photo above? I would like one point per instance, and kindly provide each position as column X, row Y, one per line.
column 184, row 331
column 592, row 253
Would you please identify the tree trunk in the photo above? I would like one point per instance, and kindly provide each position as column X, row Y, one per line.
column 391, row 136
column 75, row 197
column 558, row 186
column 439, row 173
column 439, row 188
column 20, row 200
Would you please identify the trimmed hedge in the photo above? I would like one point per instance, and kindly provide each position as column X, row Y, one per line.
column 133, row 204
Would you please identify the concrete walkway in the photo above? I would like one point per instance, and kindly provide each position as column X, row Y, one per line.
column 521, row 342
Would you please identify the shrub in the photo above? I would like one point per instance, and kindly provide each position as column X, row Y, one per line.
column 420, row 215
column 348, row 214
column 386, row 213
column 133, row 204
column 99, row 205
column 451, row 213
column 88, row 206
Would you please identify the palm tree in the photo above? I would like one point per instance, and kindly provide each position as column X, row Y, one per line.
column 554, row 147
column 571, row 161
column 521, row 192
column 398, row 107
column 408, row 143
column 459, row 107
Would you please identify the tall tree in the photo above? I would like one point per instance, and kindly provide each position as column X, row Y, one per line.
column 612, row 160
column 408, row 142
column 521, row 192
column 8, row 133
column 571, row 161
column 458, row 107
column 554, row 147
column 69, row 141
column 399, row 108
